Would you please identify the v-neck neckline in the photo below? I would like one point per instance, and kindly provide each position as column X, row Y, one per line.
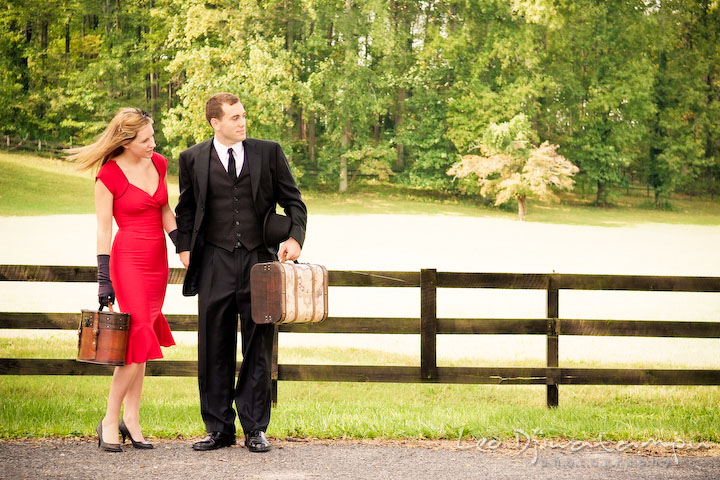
column 157, row 188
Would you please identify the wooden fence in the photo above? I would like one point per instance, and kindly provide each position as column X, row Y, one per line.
column 37, row 146
column 428, row 326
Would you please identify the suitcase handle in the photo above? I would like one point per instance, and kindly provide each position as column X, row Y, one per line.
column 110, row 307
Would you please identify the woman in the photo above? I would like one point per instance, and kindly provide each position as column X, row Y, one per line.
column 132, row 187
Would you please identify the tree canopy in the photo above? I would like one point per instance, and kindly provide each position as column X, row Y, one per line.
column 628, row 90
column 511, row 167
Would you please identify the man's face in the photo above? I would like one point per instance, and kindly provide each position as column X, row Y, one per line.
column 230, row 129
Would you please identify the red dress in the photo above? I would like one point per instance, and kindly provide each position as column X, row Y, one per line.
column 138, row 261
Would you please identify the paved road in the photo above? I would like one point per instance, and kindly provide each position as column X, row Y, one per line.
column 174, row 459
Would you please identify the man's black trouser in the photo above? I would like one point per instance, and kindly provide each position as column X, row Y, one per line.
column 223, row 294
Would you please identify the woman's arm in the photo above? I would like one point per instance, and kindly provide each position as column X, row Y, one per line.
column 104, row 211
column 168, row 217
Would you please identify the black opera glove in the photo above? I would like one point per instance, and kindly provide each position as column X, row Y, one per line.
column 106, row 292
column 173, row 236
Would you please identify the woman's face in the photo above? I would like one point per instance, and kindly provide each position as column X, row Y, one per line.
column 143, row 144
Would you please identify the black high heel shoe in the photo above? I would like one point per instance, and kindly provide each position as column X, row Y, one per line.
column 126, row 434
column 108, row 447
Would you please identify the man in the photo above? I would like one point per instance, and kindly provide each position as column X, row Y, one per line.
column 229, row 187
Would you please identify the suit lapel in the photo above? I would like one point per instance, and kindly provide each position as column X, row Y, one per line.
column 254, row 164
column 202, row 167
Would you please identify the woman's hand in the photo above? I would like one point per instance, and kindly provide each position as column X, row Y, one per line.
column 185, row 258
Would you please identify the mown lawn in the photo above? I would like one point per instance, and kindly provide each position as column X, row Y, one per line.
column 31, row 185
column 37, row 406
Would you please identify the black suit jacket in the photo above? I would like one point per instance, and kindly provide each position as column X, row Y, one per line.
column 271, row 181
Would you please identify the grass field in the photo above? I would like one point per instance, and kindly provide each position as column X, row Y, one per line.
column 36, row 406
column 72, row 406
column 31, row 185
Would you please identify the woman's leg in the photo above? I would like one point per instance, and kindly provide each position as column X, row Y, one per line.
column 131, row 413
column 122, row 380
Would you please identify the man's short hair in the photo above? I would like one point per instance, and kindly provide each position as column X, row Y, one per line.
column 213, row 107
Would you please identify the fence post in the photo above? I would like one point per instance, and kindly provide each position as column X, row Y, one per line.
column 274, row 368
column 552, row 344
column 428, row 324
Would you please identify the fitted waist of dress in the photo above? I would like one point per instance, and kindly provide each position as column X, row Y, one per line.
column 148, row 231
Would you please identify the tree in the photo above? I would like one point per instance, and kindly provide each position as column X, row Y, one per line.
column 601, row 103
column 512, row 168
column 219, row 49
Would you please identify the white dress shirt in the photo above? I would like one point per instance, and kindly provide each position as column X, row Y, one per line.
column 238, row 154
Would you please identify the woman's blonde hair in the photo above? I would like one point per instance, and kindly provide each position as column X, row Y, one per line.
column 121, row 130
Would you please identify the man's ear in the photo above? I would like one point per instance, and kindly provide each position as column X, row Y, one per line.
column 214, row 123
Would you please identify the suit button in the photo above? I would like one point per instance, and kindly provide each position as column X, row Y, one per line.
column 237, row 223
column 237, row 211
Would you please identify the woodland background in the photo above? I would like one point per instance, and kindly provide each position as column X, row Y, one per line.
column 386, row 89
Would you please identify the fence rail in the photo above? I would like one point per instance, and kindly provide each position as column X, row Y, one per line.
column 39, row 146
column 428, row 326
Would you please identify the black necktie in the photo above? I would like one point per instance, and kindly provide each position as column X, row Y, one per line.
column 231, row 166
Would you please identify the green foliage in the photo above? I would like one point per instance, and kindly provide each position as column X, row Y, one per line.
column 371, row 161
column 628, row 89
column 510, row 167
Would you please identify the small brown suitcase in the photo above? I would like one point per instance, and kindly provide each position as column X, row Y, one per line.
column 284, row 292
column 102, row 337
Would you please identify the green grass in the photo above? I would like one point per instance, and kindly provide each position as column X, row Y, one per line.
column 573, row 210
column 32, row 185
column 39, row 186
column 38, row 406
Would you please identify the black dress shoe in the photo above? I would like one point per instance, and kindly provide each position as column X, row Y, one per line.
column 214, row 441
column 256, row 442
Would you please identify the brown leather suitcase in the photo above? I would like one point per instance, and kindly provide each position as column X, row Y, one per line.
column 288, row 293
column 103, row 336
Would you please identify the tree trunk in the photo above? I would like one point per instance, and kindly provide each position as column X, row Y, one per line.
column 67, row 37
column 311, row 138
column 343, row 175
column 302, row 124
column 399, row 108
column 343, row 161
column 600, row 196
column 522, row 207
column 154, row 91
column 106, row 12
column 291, row 114
column 44, row 25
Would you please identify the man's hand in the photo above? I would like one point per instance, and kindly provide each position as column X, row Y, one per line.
column 185, row 258
column 289, row 250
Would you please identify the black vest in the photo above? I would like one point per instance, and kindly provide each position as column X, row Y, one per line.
column 230, row 218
